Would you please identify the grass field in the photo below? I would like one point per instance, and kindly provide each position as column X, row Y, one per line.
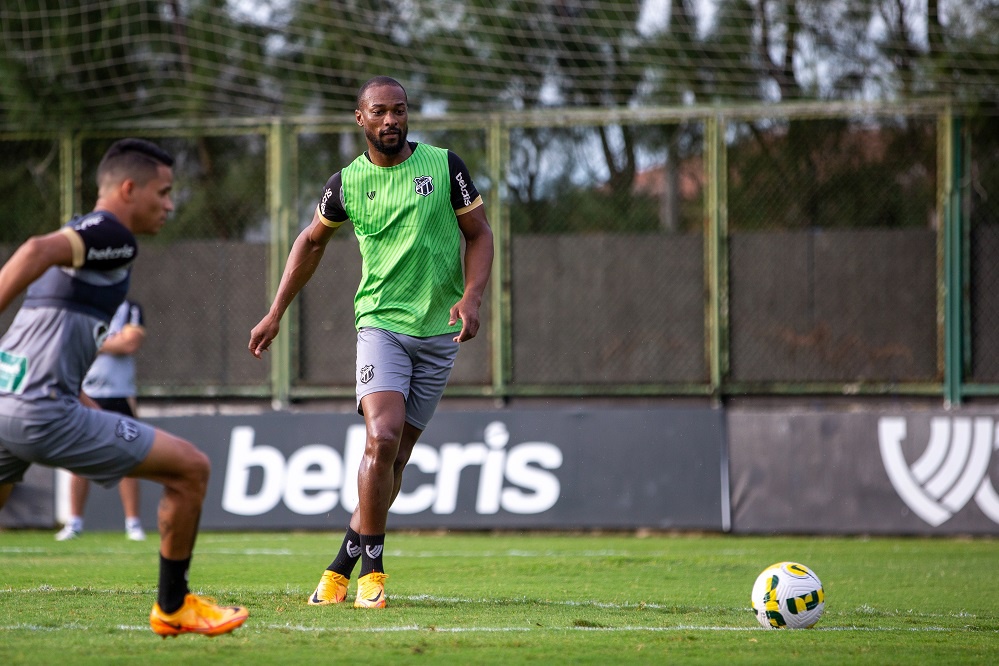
column 507, row 598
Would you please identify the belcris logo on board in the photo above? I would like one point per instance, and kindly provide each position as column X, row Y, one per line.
column 316, row 478
column 952, row 469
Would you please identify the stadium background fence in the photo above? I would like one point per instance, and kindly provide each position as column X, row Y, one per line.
column 794, row 249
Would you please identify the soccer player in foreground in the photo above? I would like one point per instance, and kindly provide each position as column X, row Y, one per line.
column 75, row 279
column 411, row 205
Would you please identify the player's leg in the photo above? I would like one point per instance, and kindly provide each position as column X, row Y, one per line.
column 128, row 489
column 383, row 366
column 332, row 588
column 79, row 488
column 12, row 469
column 183, row 471
column 384, row 417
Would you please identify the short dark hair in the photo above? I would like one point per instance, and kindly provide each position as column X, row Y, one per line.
column 379, row 81
column 137, row 159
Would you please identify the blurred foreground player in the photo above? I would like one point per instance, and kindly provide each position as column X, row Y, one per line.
column 75, row 279
column 412, row 205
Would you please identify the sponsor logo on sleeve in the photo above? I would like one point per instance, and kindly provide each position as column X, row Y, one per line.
column 322, row 204
column 466, row 198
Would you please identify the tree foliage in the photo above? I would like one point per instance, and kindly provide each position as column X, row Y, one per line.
column 78, row 64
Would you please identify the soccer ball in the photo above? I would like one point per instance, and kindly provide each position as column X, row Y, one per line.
column 788, row 595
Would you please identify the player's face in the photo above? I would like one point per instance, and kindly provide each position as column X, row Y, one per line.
column 153, row 202
column 384, row 115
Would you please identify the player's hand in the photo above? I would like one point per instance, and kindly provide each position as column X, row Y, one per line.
column 263, row 335
column 468, row 313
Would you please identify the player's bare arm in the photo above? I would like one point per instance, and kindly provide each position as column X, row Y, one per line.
column 306, row 253
column 35, row 256
column 87, row 401
column 478, row 266
column 127, row 341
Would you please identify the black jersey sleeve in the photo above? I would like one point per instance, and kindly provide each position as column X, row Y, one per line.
column 331, row 206
column 107, row 243
column 463, row 192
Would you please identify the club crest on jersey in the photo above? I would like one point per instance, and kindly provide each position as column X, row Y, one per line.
column 424, row 185
column 367, row 374
column 127, row 430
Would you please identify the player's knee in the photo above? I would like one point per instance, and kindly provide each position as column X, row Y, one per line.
column 201, row 468
column 382, row 444
column 196, row 469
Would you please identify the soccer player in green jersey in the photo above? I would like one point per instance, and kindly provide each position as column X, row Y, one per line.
column 410, row 204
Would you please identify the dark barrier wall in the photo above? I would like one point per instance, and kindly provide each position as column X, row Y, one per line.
column 813, row 471
column 805, row 306
column 32, row 503
column 574, row 468
column 892, row 472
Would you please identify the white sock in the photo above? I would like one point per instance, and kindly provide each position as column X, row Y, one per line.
column 75, row 523
column 132, row 523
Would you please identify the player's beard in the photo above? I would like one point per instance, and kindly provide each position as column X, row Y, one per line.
column 388, row 148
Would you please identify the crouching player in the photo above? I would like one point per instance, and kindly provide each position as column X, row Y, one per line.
column 75, row 279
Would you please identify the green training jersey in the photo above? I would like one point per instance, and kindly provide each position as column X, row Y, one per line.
column 410, row 243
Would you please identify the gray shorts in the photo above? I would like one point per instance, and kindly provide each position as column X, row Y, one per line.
column 418, row 368
column 101, row 446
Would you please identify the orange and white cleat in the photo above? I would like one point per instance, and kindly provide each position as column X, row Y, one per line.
column 332, row 589
column 371, row 591
column 198, row 615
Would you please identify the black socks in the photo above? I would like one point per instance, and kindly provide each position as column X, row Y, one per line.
column 371, row 553
column 350, row 553
column 173, row 583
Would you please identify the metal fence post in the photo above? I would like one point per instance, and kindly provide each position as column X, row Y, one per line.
column 280, row 178
column 69, row 176
column 498, row 150
column 716, row 251
column 952, row 264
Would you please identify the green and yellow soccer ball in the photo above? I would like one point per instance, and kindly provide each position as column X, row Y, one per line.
column 788, row 595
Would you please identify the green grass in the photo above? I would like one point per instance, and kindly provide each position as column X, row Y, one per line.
column 507, row 599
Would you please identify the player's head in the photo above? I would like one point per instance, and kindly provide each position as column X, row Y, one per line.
column 134, row 180
column 378, row 81
column 383, row 112
column 136, row 159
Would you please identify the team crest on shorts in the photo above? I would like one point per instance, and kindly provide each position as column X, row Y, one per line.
column 127, row 430
column 367, row 374
column 424, row 185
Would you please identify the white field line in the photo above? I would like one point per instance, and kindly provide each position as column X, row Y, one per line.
column 863, row 611
column 252, row 628
column 218, row 550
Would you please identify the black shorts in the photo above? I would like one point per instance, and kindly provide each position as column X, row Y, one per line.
column 120, row 405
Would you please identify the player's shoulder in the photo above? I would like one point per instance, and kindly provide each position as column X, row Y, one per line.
column 101, row 225
column 106, row 242
column 98, row 219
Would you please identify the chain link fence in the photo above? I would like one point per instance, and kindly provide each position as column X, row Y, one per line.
column 607, row 256
column 982, row 194
column 833, row 237
column 767, row 250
